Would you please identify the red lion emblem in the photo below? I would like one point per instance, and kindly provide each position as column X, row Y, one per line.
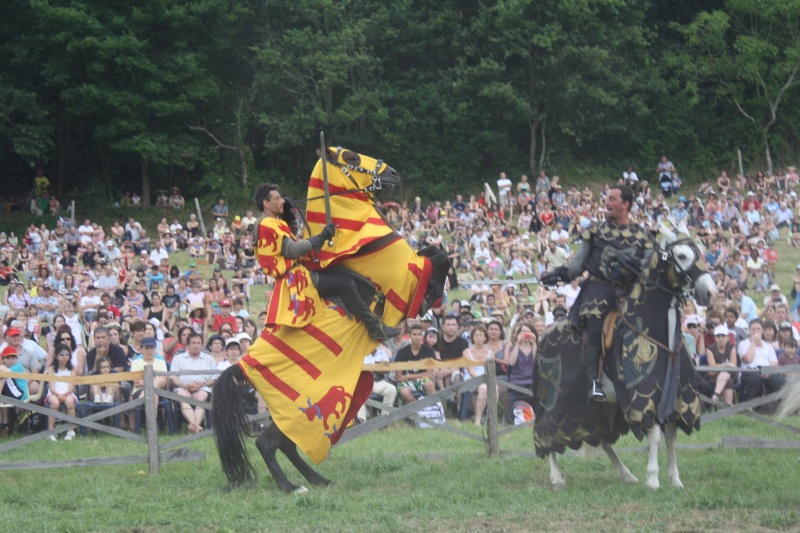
column 269, row 263
column 268, row 237
column 301, row 307
column 328, row 405
column 298, row 280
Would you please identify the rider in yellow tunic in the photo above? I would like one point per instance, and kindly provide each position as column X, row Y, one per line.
column 298, row 291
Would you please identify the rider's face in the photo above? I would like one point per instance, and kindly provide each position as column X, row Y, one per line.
column 615, row 206
column 275, row 203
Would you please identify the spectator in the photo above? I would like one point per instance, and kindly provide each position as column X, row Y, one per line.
column 756, row 353
column 193, row 386
column 61, row 393
column 380, row 385
column 29, row 354
column 415, row 380
column 104, row 392
column 480, row 352
column 220, row 210
column 519, row 357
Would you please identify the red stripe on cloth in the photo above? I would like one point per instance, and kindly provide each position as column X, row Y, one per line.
column 422, row 287
column 323, row 339
column 317, row 183
column 318, row 217
column 360, row 395
column 395, row 299
column 271, row 378
column 295, row 356
column 414, row 269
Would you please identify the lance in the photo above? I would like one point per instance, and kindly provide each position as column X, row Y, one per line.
column 323, row 152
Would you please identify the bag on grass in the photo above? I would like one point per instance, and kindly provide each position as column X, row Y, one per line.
column 433, row 413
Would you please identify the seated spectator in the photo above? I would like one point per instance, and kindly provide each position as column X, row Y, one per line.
column 193, row 386
column 756, row 353
column 415, row 380
column 13, row 388
column 61, row 393
column 176, row 200
column 103, row 392
column 148, row 358
column 722, row 353
column 233, row 351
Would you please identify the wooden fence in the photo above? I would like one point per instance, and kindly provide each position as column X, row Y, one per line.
column 158, row 453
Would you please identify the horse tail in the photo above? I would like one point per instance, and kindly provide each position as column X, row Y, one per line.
column 230, row 424
column 790, row 398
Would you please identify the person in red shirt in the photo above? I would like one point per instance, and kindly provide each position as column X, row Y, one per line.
column 225, row 317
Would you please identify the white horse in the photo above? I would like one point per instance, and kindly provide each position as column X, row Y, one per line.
column 649, row 378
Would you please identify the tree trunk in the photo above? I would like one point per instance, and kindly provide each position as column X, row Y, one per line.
column 533, row 126
column 145, row 183
column 544, row 144
column 767, row 151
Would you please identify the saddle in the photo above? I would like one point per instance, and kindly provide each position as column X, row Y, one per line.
column 609, row 326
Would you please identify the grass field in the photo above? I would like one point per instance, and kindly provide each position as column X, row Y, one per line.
column 406, row 479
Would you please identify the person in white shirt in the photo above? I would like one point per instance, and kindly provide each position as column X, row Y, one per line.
column 755, row 353
column 504, row 188
column 158, row 253
column 381, row 385
column 86, row 231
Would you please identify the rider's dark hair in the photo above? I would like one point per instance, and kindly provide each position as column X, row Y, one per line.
column 262, row 194
column 625, row 194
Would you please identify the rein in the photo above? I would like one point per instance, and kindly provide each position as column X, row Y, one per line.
column 681, row 295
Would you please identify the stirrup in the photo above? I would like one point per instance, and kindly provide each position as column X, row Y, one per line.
column 596, row 393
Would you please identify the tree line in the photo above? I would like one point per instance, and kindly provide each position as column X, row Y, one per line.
column 216, row 95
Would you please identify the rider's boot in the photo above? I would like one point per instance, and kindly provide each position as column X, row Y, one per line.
column 591, row 357
column 377, row 329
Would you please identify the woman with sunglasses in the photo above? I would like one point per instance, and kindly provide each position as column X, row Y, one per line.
column 61, row 393
column 63, row 336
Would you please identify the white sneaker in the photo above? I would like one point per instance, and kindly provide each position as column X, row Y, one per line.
column 107, row 398
column 70, row 435
column 97, row 398
column 53, row 438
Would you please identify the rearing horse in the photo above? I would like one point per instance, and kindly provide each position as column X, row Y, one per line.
column 654, row 382
column 310, row 376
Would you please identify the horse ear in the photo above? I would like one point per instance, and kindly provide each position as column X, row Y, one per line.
column 669, row 236
column 682, row 228
column 330, row 153
column 351, row 158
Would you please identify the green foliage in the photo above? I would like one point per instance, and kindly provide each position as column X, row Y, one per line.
column 204, row 94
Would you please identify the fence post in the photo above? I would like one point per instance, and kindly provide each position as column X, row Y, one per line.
column 151, row 419
column 491, row 408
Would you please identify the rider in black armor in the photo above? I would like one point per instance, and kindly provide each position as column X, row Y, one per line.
column 612, row 252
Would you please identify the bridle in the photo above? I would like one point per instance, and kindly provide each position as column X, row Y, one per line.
column 369, row 190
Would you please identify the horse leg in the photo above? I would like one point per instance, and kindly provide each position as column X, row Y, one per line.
column 556, row 479
column 653, row 440
column 671, row 431
column 268, row 442
column 289, row 449
column 622, row 470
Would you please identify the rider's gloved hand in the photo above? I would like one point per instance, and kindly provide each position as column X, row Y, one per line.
column 551, row 278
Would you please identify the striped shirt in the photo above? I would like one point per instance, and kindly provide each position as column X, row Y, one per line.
column 185, row 361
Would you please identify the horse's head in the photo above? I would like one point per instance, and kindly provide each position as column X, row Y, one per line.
column 682, row 265
column 351, row 169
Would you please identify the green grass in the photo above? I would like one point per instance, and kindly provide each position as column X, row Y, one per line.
column 406, row 479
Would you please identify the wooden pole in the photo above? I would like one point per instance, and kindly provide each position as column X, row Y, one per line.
column 491, row 409
column 200, row 216
column 151, row 419
column 741, row 166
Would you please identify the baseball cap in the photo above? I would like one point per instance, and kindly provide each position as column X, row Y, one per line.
column 692, row 319
column 213, row 338
column 9, row 350
column 431, row 330
column 786, row 325
column 465, row 303
column 232, row 340
column 775, row 287
column 225, row 303
column 11, row 332
column 192, row 264
column 242, row 336
column 149, row 341
column 722, row 329
column 237, row 217
column 559, row 310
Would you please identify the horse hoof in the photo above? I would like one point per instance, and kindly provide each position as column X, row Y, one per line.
column 653, row 485
column 559, row 485
column 299, row 491
column 322, row 482
column 630, row 478
column 676, row 483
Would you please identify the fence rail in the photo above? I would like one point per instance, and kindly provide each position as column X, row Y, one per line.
column 159, row 453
